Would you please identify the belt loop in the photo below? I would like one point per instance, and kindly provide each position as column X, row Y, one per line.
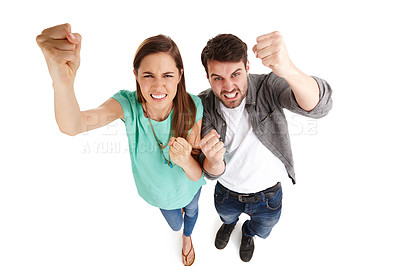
column 263, row 196
column 227, row 193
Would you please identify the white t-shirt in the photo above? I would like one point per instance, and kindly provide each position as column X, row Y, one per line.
column 250, row 166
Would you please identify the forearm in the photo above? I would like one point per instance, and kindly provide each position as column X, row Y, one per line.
column 305, row 89
column 67, row 111
column 217, row 168
column 192, row 169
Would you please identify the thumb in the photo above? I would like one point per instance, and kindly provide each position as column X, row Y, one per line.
column 255, row 50
column 171, row 141
column 76, row 39
column 215, row 133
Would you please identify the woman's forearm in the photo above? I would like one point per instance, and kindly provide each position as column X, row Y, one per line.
column 193, row 170
column 67, row 111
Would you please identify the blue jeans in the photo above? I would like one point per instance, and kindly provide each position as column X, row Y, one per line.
column 264, row 214
column 175, row 218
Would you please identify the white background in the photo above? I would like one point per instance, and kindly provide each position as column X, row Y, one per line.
column 72, row 200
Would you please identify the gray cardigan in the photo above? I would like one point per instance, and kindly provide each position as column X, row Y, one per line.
column 267, row 95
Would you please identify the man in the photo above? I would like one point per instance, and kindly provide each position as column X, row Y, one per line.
column 245, row 129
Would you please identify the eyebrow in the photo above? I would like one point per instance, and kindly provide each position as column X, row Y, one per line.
column 151, row 73
column 216, row 75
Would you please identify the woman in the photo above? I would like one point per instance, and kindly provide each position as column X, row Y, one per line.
column 162, row 121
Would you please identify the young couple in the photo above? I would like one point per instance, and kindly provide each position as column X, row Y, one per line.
column 241, row 134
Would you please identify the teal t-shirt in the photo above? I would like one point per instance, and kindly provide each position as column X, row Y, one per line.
column 157, row 183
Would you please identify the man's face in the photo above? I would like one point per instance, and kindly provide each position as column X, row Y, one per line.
column 228, row 81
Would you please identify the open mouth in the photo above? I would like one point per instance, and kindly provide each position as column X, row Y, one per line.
column 231, row 95
column 158, row 96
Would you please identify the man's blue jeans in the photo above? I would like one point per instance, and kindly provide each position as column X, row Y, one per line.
column 175, row 217
column 264, row 214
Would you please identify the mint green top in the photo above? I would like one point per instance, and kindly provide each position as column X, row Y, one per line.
column 157, row 183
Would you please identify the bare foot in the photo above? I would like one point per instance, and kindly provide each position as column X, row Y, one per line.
column 187, row 250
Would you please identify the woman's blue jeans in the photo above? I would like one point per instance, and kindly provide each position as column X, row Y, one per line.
column 175, row 218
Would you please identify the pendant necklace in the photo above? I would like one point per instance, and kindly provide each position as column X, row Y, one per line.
column 160, row 145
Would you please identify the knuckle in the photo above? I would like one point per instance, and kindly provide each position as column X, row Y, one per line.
column 78, row 35
column 279, row 38
column 66, row 27
column 63, row 29
column 45, row 31
column 39, row 39
column 276, row 33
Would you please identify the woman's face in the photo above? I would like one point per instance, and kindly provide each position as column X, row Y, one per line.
column 158, row 78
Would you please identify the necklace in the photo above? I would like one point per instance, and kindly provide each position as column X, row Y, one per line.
column 160, row 145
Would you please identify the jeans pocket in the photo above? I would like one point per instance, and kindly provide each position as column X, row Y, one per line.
column 275, row 203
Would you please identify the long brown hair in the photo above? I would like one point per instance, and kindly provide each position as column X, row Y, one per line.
column 184, row 116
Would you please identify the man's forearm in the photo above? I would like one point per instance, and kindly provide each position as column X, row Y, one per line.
column 305, row 89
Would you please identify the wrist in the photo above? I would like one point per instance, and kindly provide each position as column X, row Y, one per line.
column 292, row 73
column 192, row 169
column 63, row 87
column 188, row 163
column 215, row 167
column 215, row 162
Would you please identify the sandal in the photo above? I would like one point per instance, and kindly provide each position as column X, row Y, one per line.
column 185, row 256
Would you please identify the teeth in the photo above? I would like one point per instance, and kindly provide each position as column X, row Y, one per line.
column 232, row 95
column 158, row 96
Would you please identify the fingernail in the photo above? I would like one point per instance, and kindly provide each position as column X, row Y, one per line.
column 72, row 36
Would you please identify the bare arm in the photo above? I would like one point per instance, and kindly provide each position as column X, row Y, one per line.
column 305, row 89
column 271, row 49
column 61, row 49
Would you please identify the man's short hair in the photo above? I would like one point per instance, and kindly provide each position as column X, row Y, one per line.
column 224, row 48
